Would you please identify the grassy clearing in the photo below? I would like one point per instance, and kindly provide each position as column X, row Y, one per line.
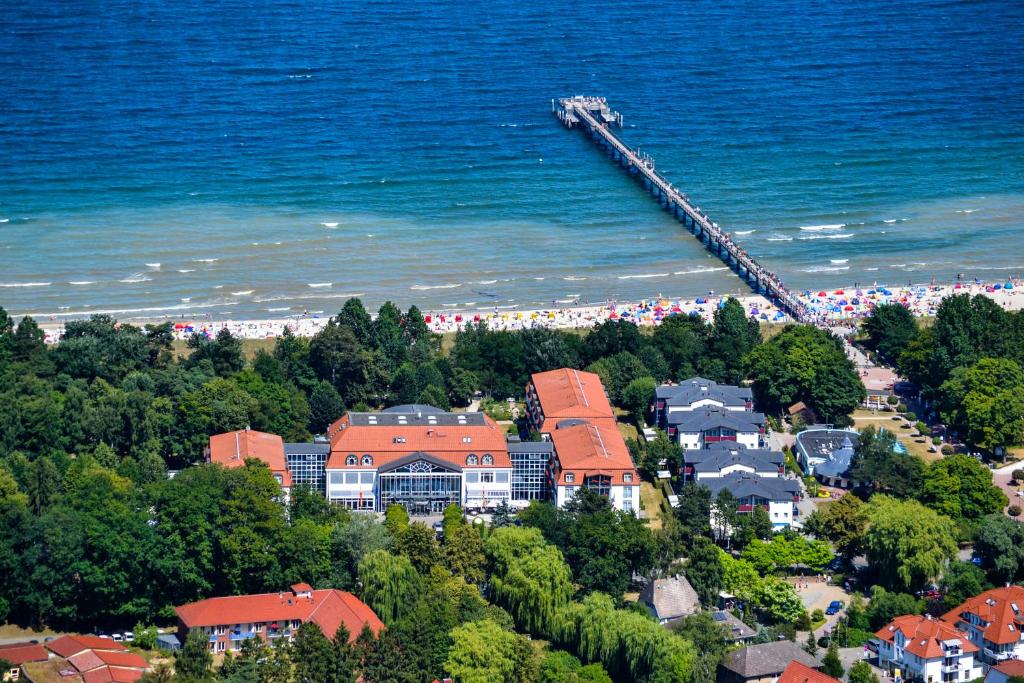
column 250, row 347
column 651, row 498
column 863, row 418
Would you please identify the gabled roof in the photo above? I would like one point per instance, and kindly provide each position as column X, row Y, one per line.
column 759, row 460
column 567, row 393
column 88, row 660
column 1001, row 608
column 19, row 653
column 112, row 674
column 232, row 448
column 327, row 608
column 703, row 419
column 670, row 598
column 734, row 627
column 766, row 659
column 798, row 672
column 66, row 646
column 924, row 636
column 1013, row 667
column 699, row 389
column 588, row 449
column 745, row 484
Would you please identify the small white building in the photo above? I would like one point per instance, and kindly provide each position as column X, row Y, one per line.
column 777, row 495
column 697, row 429
column 926, row 648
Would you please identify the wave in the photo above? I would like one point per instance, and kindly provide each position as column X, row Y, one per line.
column 5, row 220
column 186, row 270
column 827, row 226
column 154, row 266
column 698, row 271
column 841, row 236
column 890, row 220
column 871, row 269
column 838, row 261
column 573, row 278
column 966, row 210
column 25, row 284
column 82, row 283
column 539, row 279
column 486, row 282
column 780, row 238
column 745, row 232
column 149, row 309
column 824, row 269
column 205, row 260
column 297, row 297
column 423, row 288
column 643, row 277
column 279, row 309
column 246, row 292
column 329, row 225
column 319, row 285
column 135, row 278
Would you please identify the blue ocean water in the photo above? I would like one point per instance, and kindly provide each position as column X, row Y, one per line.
column 260, row 159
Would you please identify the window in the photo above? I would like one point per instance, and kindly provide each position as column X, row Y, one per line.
column 366, row 478
column 472, row 477
column 368, row 459
column 501, row 477
column 337, row 478
column 488, row 459
column 627, row 505
column 257, row 628
column 471, row 459
column 296, row 623
column 350, row 460
column 487, row 477
column 627, row 478
column 351, row 477
column 569, row 477
column 467, row 439
column 219, row 630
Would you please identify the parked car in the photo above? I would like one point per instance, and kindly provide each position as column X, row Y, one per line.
column 129, row 637
column 834, row 607
column 117, row 637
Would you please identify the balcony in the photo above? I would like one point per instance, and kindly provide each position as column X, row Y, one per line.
column 243, row 635
column 998, row 656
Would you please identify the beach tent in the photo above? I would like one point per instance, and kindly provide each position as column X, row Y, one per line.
column 427, row 318
column 848, row 308
column 822, row 294
column 476, row 318
column 700, row 301
column 839, row 292
column 1008, row 285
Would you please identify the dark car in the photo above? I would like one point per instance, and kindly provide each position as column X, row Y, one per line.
column 834, row 607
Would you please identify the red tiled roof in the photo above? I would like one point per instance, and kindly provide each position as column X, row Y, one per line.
column 1013, row 667
column 586, row 449
column 567, row 393
column 328, row 608
column 996, row 607
column 924, row 636
column 86, row 660
column 301, row 588
column 65, row 646
column 387, row 442
column 232, row 448
column 19, row 653
column 801, row 673
column 112, row 674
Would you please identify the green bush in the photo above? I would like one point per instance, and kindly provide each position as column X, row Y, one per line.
column 922, row 428
column 911, row 416
column 947, row 449
column 817, row 615
column 901, row 407
column 892, row 400
column 1018, row 475
column 936, row 441
column 1013, row 511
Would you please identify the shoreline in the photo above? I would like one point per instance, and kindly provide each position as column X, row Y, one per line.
column 835, row 307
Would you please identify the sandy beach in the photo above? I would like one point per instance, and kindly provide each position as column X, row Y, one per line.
column 832, row 307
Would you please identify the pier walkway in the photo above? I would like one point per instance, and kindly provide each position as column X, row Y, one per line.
column 593, row 115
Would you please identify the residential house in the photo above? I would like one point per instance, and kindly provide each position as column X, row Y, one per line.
column 697, row 429
column 798, row 672
column 566, row 394
column 735, row 630
column 232, row 449
column 594, row 456
column 722, row 458
column 1002, row 672
column 926, row 648
column 994, row 621
column 670, row 599
column 420, row 457
column 18, row 654
column 777, row 495
column 696, row 393
column 229, row 621
column 91, row 659
column 826, row 453
column 762, row 663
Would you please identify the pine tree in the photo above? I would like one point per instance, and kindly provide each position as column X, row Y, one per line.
column 193, row 660
column 811, row 646
column 831, row 664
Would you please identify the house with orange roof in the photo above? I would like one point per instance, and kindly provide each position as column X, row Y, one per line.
column 994, row 621
column 420, row 457
column 798, row 672
column 930, row 649
column 1004, row 671
column 18, row 654
column 81, row 659
column 229, row 621
column 566, row 394
column 593, row 455
column 232, row 449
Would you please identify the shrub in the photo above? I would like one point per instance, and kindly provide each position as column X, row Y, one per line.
column 901, row 407
column 1018, row 475
column 892, row 400
column 936, row 440
column 947, row 449
column 911, row 416
column 1013, row 511
column 922, row 428
column 817, row 615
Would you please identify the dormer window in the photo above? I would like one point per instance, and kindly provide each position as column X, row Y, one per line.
column 627, row 478
column 569, row 477
column 488, row 459
column 350, row 460
column 471, row 459
column 467, row 439
column 367, row 460
column 398, row 439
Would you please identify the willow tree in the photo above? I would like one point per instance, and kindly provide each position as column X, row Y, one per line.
column 907, row 544
column 529, row 577
column 389, row 584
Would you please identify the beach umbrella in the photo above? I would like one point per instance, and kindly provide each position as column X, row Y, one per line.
column 458, row 318
column 476, row 318
column 820, row 294
column 997, row 286
column 427, row 318
column 700, row 301
column 613, row 315
column 848, row 308
column 839, row 291
column 957, row 286
column 1008, row 285
column 551, row 316
column 179, row 326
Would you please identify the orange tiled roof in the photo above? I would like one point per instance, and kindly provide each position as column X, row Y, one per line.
column 66, row 646
column 585, row 449
column 19, row 653
column 801, row 673
column 924, row 636
column 327, row 608
column 568, row 393
column 112, row 674
column 996, row 607
column 386, row 443
column 232, row 448
column 1013, row 667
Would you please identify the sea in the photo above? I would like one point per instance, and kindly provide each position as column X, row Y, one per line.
column 265, row 159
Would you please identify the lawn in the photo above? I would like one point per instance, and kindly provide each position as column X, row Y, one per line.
column 863, row 418
column 651, row 497
column 249, row 347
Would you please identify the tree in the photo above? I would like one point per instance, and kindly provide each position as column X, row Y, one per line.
column 830, row 665
column 694, row 510
column 959, row 486
column 1000, row 545
column 396, row 519
column 337, row 357
column 325, row 406
column 636, row 398
column 885, row 606
column 418, row 542
column 842, row 522
column 811, row 646
column 223, row 352
column 907, row 544
column 779, row 601
column 984, row 402
column 483, row 652
column 312, row 654
column 962, row 580
column 463, row 553
column 193, row 660
column 733, row 336
column 878, row 467
column 890, row 328
column 388, row 581
column 662, row 454
column 710, row 639
column 704, row 571
column 861, row 673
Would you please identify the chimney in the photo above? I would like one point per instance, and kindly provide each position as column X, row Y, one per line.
column 238, row 448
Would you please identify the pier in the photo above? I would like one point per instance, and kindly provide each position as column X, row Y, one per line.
column 594, row 116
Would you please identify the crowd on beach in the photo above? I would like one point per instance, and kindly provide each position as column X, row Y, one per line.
column 831, row 308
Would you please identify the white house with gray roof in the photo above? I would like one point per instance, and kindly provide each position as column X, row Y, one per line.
column 697, row 429
column 777, row 495
column 696, row 393
column 722, row 458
